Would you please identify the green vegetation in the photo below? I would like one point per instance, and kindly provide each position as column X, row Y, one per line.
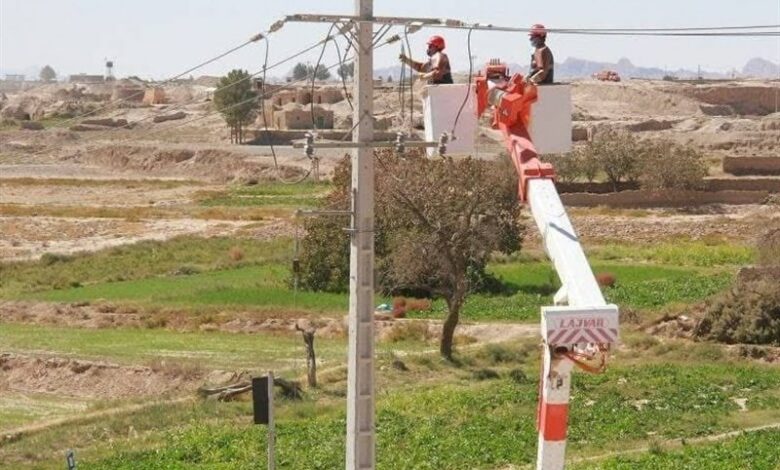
column 486, row 424
column 638, row 286
column 678, row 253
column 292, row 196
column 134, row 346
column 267, row 286
column 236, row 99
column 755, row 450
column 144, row 260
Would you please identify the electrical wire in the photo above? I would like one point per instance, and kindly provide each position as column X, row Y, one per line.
column 697, row 28
column 468, row 84
column 182, row 106
column 265, row 125
column 401, row 91
column 411, row 80
column 343, row 73
column 314, row 72
column 176, row 77
column 286, row 86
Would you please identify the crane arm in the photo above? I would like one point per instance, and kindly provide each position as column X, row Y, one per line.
column 581, row 323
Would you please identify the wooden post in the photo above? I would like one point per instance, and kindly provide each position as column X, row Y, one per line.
column 271, row 428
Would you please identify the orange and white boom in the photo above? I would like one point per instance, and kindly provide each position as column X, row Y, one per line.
column 581, row 324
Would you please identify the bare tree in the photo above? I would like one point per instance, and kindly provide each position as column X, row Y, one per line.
column 311, row 360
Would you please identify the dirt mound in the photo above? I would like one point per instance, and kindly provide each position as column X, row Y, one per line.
column 72, row 315
column 88, row 379
column 751, row 165
column 616, row 100
column 210, row 164
column 753, row 100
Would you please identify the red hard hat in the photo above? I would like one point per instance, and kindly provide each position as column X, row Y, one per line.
column 538, row 30
column 437, row 42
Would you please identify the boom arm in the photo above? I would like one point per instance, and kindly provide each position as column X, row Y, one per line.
column 586, row 325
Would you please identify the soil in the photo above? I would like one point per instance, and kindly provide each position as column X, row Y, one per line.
column 24, row 238
column 88, row 379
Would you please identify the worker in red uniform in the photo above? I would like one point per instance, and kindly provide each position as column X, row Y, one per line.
column 542, row 61
column 437, row 69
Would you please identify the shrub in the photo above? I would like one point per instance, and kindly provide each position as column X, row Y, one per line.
column 605, row 279
column 485, row 374
column 236, row 253
column 749, row 313
column 497, row 353
column 407, row 331
column 518, row 376
column 618, row 155
column 567, row 166
column 665, row 165
column 47, row 259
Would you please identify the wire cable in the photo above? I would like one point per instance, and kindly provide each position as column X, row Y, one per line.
column 286, row 86
column 176, row 77
column 411, row 80
column 314, row 72
column 265, row 125
column 468, row 84
column 182, row 106
column 342, row 72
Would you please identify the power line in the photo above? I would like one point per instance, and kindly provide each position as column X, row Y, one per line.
column 254, row 38
column 314, row 74
column 263, row 96
column 265, row 125
column 182, row 106
column 468, row 84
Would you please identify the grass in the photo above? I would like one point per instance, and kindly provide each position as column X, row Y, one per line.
column 17, row 409
column 755, row 451
column 306, row 194
column 124, row 183
column 266, row 285
column 251, row 286
column 679, row 253
column 143, row 212
column 458, row 423
column 140, row 346
column 143, row 260
column 533, row 284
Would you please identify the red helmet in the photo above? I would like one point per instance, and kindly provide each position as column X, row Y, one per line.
column 538, row 31
column 437, row 42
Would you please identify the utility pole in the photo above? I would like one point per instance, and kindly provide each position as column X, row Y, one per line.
column 360, row 375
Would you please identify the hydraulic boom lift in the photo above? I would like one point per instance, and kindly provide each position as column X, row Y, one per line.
column 581, row 325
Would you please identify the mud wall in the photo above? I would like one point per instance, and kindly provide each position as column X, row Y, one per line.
column 752, row 165
column 745, row 100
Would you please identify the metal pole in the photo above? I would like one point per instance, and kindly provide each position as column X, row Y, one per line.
column 360, row 378
column 271, row 428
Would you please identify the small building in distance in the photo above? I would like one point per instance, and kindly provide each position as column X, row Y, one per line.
column 295, row 117
column 154, row 95
column 86, row 79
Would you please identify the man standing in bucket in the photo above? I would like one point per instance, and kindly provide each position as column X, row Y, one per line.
column 437, row 70
column 542, row 61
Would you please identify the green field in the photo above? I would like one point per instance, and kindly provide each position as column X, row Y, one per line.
column 456, row 422
column 268, row 286
column 434, row 415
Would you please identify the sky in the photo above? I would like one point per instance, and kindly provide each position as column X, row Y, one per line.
column 161, row 38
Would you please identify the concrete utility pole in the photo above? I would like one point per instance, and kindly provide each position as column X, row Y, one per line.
column 360, row 378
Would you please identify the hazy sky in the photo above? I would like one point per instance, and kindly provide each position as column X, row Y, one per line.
column 157, row 39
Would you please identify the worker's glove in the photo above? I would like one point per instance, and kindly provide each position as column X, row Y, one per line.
column 403, row 58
